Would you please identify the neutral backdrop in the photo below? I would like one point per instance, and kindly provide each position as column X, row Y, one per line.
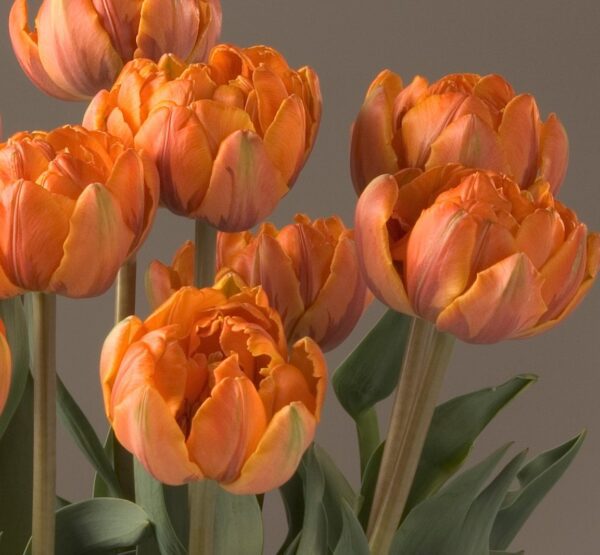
column 547, row 47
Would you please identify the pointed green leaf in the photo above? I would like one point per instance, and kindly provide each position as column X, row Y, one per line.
column 293, row 501
column 536, row 479
column 85, row 437
column 150, row 496
column 448, row 509
column 12, row 313
column 100, row 488
column 98, row 526
column 16, row 469
column 369, row 482
column 238, row 526
column 352, row 539
column 453, row 430
column 371, row 372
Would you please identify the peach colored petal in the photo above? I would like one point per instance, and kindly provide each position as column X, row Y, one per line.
column 278, row 454
column 75, row 49
column 520, row 134
column 96, row 220
column 115, row 346
column 504, row 301
column 553, row 153
column 210, row 28
column 26, row 49
column 244, row 187
column 408, row 97
column 120, row 20
column 284, row 385
column 468, row 141
column 495, row 90
column 227, row 428
column 540, row 235
column 5, row 368
column 374, row 209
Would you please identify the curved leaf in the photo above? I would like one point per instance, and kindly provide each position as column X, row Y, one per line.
column 99, row 525
column 238, row 524
column 293, row 500
column 369, row 482
column 352, row 539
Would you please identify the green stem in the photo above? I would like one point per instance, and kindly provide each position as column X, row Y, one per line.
column 425, row 361
column 367, row 429
column 44, row 423
column 124, row 307
column 202, row 495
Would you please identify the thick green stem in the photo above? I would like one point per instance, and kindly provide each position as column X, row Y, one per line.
column 124, row 307
column 44, row 423
column 425, row 361
column 367, row 429
column 202, row 495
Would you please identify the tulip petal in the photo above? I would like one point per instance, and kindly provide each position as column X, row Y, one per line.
column 278, row 454
column 96, row 220
column 210, row 29
column 495, row 90
column 5, row 368
column 553, row 153
column 75, row 49
column 270, row 94
column 520, row 133
column 227, row 428
column 504, row 301
column 26, row 49
column 540, row 235
column 167, row 26
column 374, row 209
column 468, row 141
column 120, row 20
column 372, row 153
column 309, row 359
column 244, row 187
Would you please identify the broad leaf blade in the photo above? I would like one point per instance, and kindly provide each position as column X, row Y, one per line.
column 293, row 500
column 454, row 428
column 98, row 526
column 369, row 482
column 86, row 439
column 536, row 479
column 352, row 538
column 238, row 524
column 371, row 372
column 12, row 314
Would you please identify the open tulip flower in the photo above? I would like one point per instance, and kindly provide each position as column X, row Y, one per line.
column 5, row 367
column 473, row 253
column 463, row 118
column 229, row 137
column 309, row 271
column 78, row 47
column 74, row 205
column 205, row 388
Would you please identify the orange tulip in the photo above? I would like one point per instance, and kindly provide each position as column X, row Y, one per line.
column 5, row 368
column 74, row 205
column 309, row 271
column 463, row 118
column 205, row 388
column 229, row 137
column 473, row 253
column 78, row 47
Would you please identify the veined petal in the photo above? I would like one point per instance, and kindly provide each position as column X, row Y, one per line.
column 553, row 153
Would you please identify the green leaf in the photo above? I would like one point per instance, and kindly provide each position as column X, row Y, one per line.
column 293, row 501
column 61, row 502
column 16, row 469
column 238, row 524
column 85, row 437
column 371, row 372
column 448, row 510
column 99, row 525
column 453, row 430
column 150, row 496
column 536, row 479
column 369, row 482
column 507, row 553
column 176, row 501
column 12, row 314
column 100, row 488
column 352, row 539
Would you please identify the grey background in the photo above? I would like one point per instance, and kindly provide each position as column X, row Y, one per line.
column 547, row 47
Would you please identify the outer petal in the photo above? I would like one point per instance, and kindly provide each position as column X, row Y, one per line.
column 75, row 49
column 227, row 428
column 245, row 187
column 374, row 209
column 97, row 220
column 210, row 30
column 278, row 454
column 5, row 368
column 372, row 153
column 26, row 49
column 553, row 153
column 309, row 359
column 114, row 349
column 504, row 301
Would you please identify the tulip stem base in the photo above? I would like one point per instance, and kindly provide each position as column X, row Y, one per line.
column 206, row 254
column 423, row 367
column 124, row 307
column 44, row 423
column 367, row 429
column 202, row 499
